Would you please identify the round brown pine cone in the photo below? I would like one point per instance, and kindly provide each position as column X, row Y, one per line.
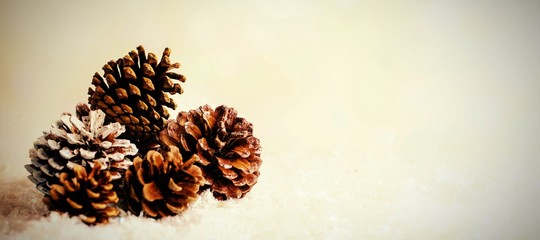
column 229, row 153
column 80, row 139
column 90, row 196
column 134, row 91
column 162, row 184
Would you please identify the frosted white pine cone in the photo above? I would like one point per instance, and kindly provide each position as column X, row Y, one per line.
column 82, row 139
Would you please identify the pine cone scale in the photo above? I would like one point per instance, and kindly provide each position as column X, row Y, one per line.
column 228, row 173
column 246, row 179
column 225, row 191
column 175, row 209
column 87, row 219
column 151, row 192
column 149, row 209
column 57, row 192
column 111, row 211
column 92, row 194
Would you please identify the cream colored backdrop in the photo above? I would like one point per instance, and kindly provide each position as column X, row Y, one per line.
column 433, row 105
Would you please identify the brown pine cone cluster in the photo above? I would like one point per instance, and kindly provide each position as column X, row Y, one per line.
column 90, row 196
column 162, row 184
column 82, row 139
column 134, row 91
column 83, row 163
column 229, row 153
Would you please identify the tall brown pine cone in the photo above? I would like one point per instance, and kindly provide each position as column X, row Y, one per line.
column 134, row 91
column 229, row 153
column 82, row 139
column 90, row 196
column 162, row 184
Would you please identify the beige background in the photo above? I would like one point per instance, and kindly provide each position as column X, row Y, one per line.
column 378, row 119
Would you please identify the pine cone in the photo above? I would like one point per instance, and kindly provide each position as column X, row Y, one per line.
column 134, row 92
column 162, row 184
column 81, row 140
column 89, row 196
column 229, row 153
